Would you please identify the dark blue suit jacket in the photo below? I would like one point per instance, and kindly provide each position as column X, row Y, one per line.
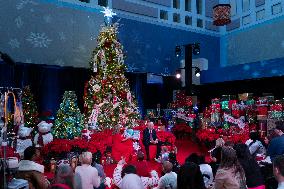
column 276, row 147
column 146, row 136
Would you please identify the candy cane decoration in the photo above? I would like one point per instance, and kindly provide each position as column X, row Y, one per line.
column 94, row 116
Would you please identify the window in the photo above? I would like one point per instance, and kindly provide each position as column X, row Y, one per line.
column 246, row 4
column 246, row 20
column 233, row 4
column 188, row 20
column 103, row 3
column 199, row 23
column 176, row 17
column 176, row 4
column 187, row 5
column 260, row 14
column 276, row 9
column 199, row 6
column 163, row 15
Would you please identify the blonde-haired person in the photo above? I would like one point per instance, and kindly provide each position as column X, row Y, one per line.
column 215, row 154
column 89, row 175
column 230, row 174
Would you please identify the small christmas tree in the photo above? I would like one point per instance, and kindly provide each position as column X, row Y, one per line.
column 108, row 100
column 69, row 121
column 30, row 110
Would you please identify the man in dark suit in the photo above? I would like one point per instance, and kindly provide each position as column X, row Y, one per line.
column 150, row 138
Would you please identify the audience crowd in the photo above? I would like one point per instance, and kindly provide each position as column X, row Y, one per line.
column 232, row 166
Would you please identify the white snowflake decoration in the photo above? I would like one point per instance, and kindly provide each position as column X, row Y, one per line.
column 62, row 36
column 157, row 61
column 166, row 71
column 19, row 22
column 39, row 40
column 23, row 3
column 108, row 12
column 131, row 68
column 14, row 43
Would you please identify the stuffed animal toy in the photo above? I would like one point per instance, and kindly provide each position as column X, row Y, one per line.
column 24, row 139
column 44, row 135
column 86, row 134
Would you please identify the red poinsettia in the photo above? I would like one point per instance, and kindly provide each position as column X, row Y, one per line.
column 165, row 136
column 234, row 134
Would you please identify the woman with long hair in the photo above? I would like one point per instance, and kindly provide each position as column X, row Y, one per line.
column 190, row 177
column 230, row 174
column 254, row 178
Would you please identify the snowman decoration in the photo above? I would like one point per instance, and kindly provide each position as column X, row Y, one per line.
column 44, row 135
column 24, row 139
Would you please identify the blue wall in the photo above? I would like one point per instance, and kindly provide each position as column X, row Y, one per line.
column 254, row 52
column 151, row 48
column 47, row 32
column 260, row 69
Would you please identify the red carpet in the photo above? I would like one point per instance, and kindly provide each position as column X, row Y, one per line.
column 185, row 148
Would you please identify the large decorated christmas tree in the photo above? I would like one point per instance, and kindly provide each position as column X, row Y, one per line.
column 69, row 120
column 108, row 100
column 29, row 108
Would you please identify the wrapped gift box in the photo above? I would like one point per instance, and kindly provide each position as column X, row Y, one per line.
column 262, row 110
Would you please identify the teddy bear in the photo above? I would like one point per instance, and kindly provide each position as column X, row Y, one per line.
column 24, row 139
column 85, row 133
column 44, row 135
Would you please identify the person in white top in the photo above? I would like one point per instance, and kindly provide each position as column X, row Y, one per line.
column 278, row 170
column 255, row 146
column 126, row 177
column 206, row 171
column 169, row 180
column 130, row 179
column 89, row 175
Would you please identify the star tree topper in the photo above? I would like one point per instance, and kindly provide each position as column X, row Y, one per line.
column 108, row 13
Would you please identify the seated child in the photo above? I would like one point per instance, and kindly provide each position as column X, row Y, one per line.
column 164, row 155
